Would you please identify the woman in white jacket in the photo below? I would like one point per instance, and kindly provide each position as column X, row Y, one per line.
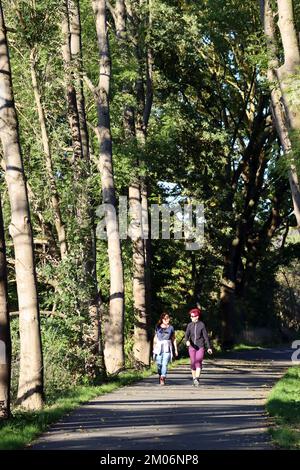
column 163, row 344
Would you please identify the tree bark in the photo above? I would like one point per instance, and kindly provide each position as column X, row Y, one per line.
column 278, row 110
column 73, row 114
column 30, row 391
column 137, row 203
column 139, row 188
column 73, row 65
column 5, row 342
column 55, row 202
column 114, row 338
column 141, row 348
column 76, row 55
column 288, row 73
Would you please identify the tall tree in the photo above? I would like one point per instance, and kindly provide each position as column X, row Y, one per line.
column 73, row 114
column 255, row 159
column 141, row 246
column 55, row 200
column 73, row 70
column 114, row 334
column 288, row 73
column 76, row 54
column 30, row 391
column 5, row 342
column 130, row 20
column 283, row 111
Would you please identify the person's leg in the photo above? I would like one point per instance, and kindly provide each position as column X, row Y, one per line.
column 159, row 363
column 164, row 367
column 192, row 353
column 198, row 362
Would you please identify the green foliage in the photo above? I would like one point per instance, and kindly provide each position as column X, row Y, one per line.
column 24, row 427
column 209, row 64
column 284, row 406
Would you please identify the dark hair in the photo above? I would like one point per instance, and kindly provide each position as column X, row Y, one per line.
column 162, row 316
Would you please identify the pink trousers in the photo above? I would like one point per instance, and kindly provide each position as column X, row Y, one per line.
column 196, row 357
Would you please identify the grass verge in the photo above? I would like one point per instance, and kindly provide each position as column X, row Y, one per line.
column 25, row 426
column 283, row 405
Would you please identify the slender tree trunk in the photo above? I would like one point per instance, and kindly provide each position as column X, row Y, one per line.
column 289, row 72
column 5, row 343
column 141, row 250
column 138, row 201
column 114, row 338
column 59, row 225
column 145, row 185
column 141, row 348
column 278, row 110
column 73, row 64
column 289, row 76
column 76, row 55
column 30, row 392
column 73, row 114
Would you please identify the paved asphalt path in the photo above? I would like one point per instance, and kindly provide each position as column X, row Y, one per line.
column 225, row 412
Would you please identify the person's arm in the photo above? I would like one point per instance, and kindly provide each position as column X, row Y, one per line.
column 155, row 339
column 174, row 344
column 206, row 339
column 187, row 336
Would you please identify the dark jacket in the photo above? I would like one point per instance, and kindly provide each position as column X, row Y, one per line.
column 197, row 335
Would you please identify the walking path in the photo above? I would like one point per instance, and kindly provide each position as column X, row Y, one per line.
column 225, row 412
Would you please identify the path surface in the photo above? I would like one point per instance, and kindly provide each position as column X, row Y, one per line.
column 225, row 412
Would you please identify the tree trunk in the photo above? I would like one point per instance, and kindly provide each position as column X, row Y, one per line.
column 140, row 256
column 288, row 73
column 5, row 343
column 73, row 64
column 114, row 340
column 141, row 250
column 278, row 111
column 76, row 55
column 30, row 392
column 73, row 114
column 141, row 349
column 59, row 225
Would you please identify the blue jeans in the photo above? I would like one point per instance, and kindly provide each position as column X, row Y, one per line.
column 162, row 361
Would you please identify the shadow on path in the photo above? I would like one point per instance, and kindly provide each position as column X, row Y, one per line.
column 225, row 412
